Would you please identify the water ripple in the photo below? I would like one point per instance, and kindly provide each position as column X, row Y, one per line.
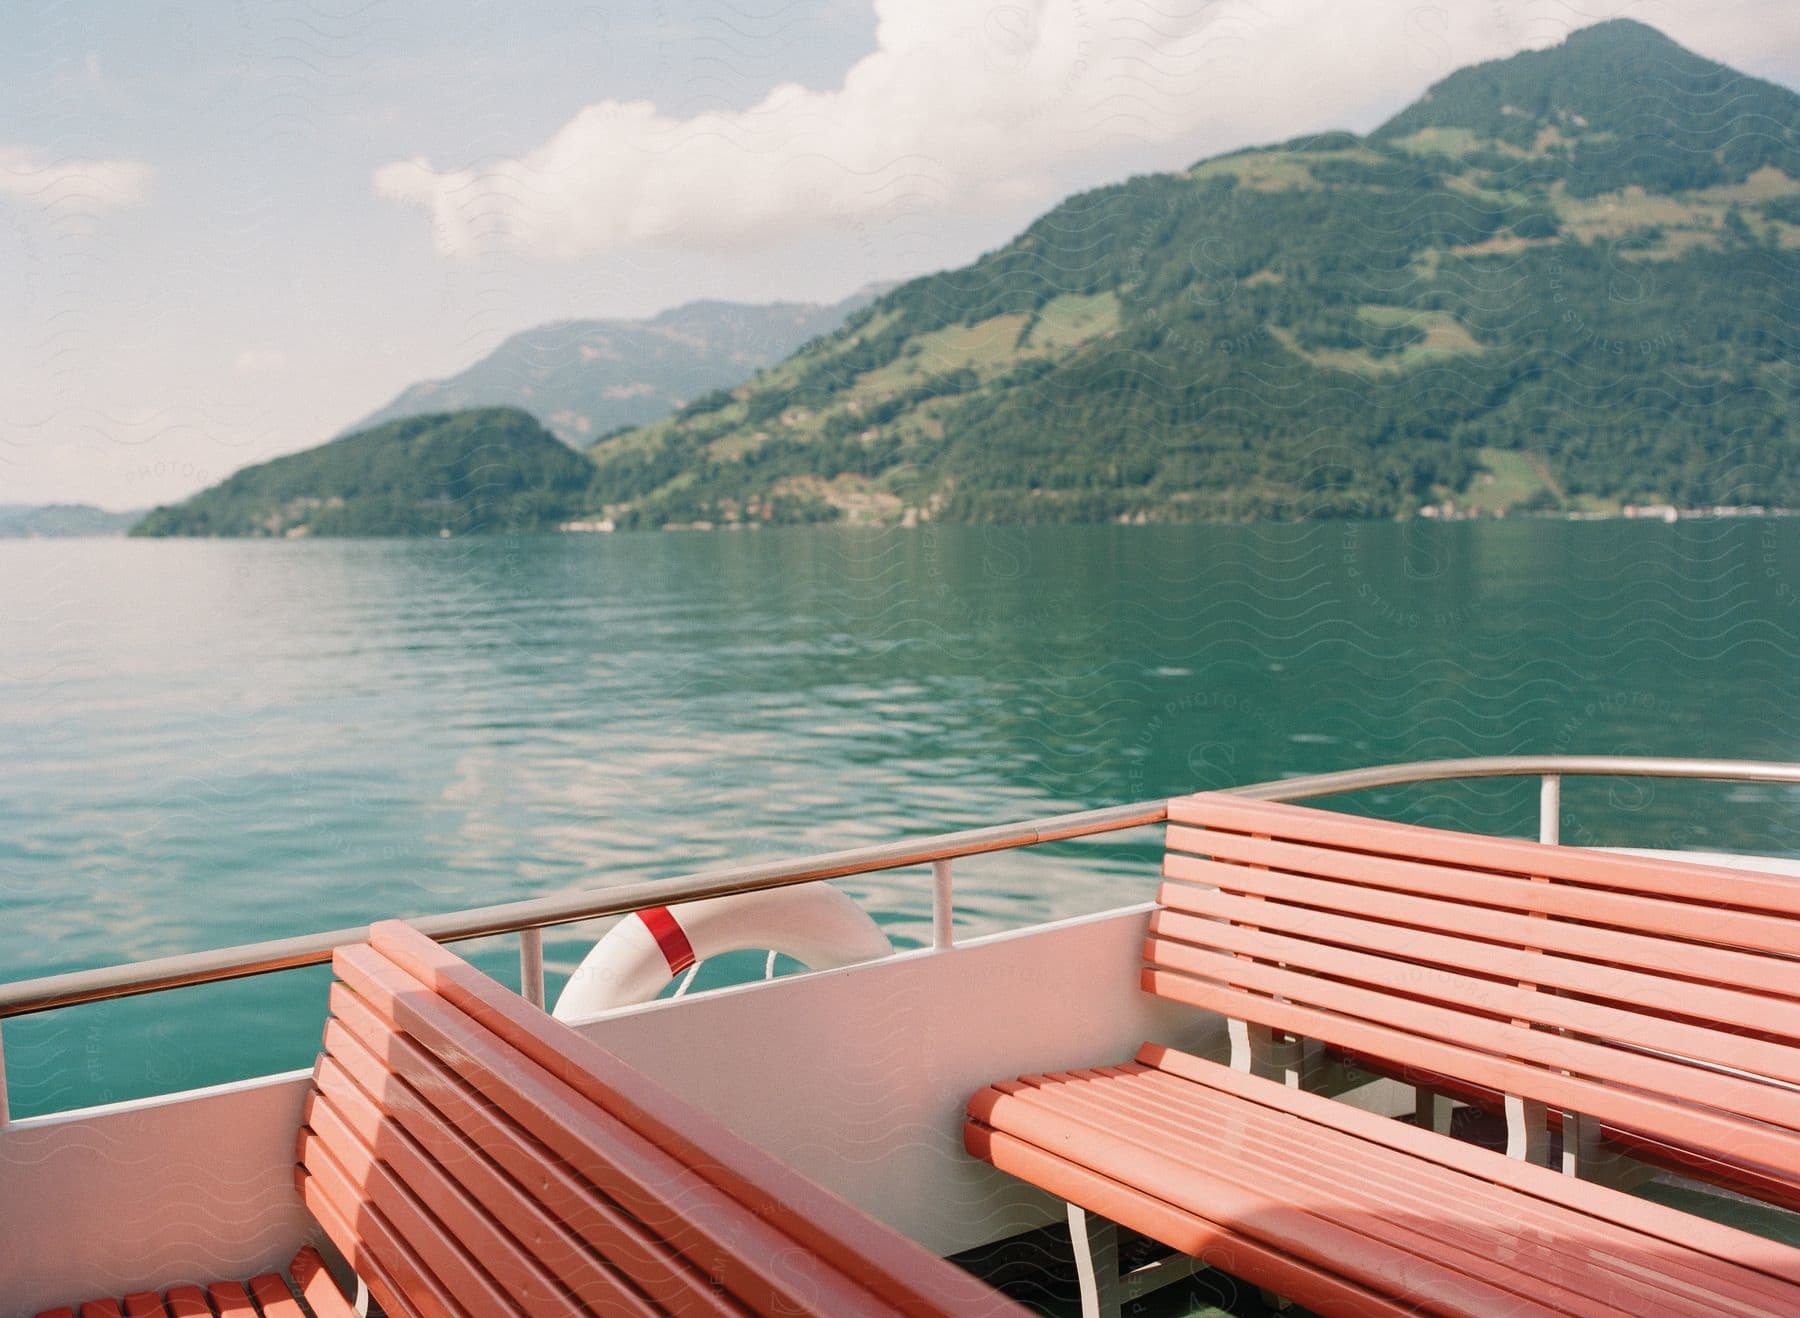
column 207, row 743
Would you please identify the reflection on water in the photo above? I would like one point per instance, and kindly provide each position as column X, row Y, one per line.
column 206, row 743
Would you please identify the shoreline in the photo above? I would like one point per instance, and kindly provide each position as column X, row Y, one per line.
column 1654, row 513
column 1632, row 513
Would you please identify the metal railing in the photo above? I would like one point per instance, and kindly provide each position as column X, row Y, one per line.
column 529, row 918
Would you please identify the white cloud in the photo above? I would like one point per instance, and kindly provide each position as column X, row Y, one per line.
column 958, row 105
column 972, row 106
column 72, row 183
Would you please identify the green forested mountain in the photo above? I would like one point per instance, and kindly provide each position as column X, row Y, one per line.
column 493, row 469
column 1560, row 280
column 1564, row 280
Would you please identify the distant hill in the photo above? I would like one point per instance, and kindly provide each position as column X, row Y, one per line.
column 486, row 470
column 58, row 520
column 1562, row 280
column 583, row 378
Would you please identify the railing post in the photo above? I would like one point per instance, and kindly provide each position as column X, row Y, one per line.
column 2, row 1082
column 1550, row 809
column 943, row 913
column 531, row 965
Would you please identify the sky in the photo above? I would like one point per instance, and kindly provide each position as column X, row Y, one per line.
column 230, row 229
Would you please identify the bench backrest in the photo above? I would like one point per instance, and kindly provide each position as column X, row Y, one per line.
column 469, row 1154
column 1658, row 996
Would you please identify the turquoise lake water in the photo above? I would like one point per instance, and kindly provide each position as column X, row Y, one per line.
column 204, row 743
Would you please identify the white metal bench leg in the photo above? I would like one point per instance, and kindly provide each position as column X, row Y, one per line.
column 1527, row 1130
column 1252, row 1047
column 1581, row 1147
column 1303, row 1064
column 1434, row 1110
column 1298, row 1063
column 1096, row 1242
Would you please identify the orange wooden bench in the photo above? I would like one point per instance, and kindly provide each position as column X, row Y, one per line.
column 468, row 1154
column 270, row 1295
column 1657, row 998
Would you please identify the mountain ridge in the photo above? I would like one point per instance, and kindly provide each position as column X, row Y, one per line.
column 62, row 520
column 1557, row 282
column 1483, row 304
column 584, row 377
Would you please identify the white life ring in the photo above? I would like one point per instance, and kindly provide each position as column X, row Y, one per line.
column 814, row 923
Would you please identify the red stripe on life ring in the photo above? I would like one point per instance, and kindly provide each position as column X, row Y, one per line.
column 670, row 938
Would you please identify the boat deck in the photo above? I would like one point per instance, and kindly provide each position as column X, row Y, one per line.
column 856, row 1077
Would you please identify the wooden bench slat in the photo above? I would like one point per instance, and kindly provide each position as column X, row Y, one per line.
column 1769, row 1146
column 897, row 1271
column 400, row 1282
column 1774, row 1104
column 1255, row 1133
column 230, row 1300
column 1392, row 1204
column 1626, row 985
column 755, row 1259
column 379, row 1277
column 1722, row 1242
column 273, row 1297
column 1608, row 1023
column 339, row 1111
column 1685, row 1159
column 1278, row 1223
column 1268, row 1149
column 269, row 1295
column 437, row 1243
column 1551, row 1241
column 316, row 1287
column 575, row 1233
column 1555, row 1256
column 1718, row 965
column 1716, row 885
column 1180, row 1228
column 190, row 1302
column 1516, row 892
